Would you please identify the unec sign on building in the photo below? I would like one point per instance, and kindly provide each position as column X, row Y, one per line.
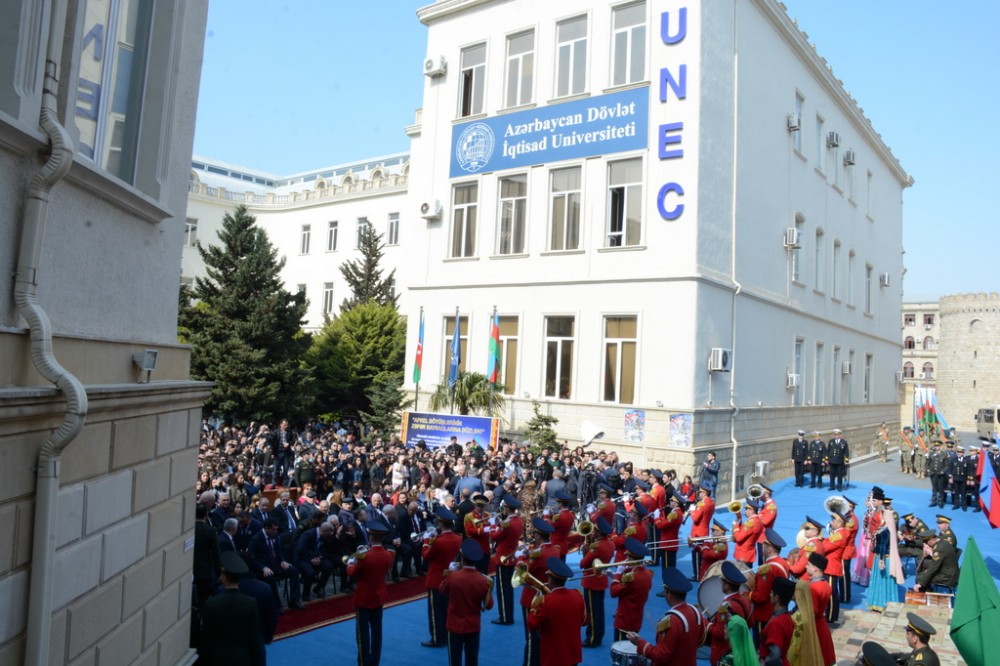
column 611, row 123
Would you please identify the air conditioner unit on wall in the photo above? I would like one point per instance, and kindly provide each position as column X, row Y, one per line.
column 848, row 157
column 791, row 380
column 899, row 375
column 845, row 368
column 792, row 238
column 921, row 375
column 720, row 360
column 928, row 327
column 430, row 210
column 832, row 140
column 793, row 122
column 883, row 280
column 435, row 67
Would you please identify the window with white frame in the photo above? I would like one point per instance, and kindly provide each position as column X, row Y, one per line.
column 797, row 136
column 869, row 273
column 559, row 336
column 910, row 319
column 850, row 277
column 362, row 226
column 327, row 298
column 508, row 354
column 928, row 370
column 472, row 81
column 332, row 228
column 564, row 185
column 513, row 210
column 520, row 69
column 928, row 319
column 869, row 396
column 820, row 251
column 819, row 374
column 190, row 232
column 797, row 369
column 463, row 343
column 304, row 238
column 571, row 56
column 465, row 200
column 392, row 230
column 624, row 203
column 796, row 252
column 620, row 339
column 849, row 384
column 628, row 44
column 835, row 273
column 820, row 144
column 837, row 378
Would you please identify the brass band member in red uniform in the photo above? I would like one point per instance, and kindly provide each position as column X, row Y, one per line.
column 813, row 544
column 557, row 617
column 710, row 552
column 777, row 635
column 746, row 533
column 701, row 517
column 680, row 632
column 595, row 581
column 636, row 529
column 850, row 549
column 477, row 528
column 369, row 569
column 668, row 526
column 821, row 592
column 768, row 515
column 734, row 603
column 833, row 548
column 630, row 585
column 469, row 593
column 535, row 562
column 507, row 534
column 438, row 553
column 659, row 494
column 774, row 568
column 562, row 523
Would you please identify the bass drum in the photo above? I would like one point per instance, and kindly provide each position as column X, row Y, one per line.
column 623, row 653
column 710, row 594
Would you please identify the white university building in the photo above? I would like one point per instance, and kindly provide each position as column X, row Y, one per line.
column 689, row 230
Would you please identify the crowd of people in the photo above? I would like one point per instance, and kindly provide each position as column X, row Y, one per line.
column 304, row 509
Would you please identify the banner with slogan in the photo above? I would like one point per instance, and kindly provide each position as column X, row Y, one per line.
column 437, row 429
column 599, row 125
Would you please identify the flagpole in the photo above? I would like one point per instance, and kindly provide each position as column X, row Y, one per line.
column 455, row 340
column 492, row 360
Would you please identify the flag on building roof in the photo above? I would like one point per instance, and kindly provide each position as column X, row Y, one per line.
column 975, row 622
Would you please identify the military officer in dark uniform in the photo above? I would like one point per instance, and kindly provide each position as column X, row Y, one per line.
column 995, row 459
column 918, row 635
column 817, row 454
column 956, row 475
column 972, row 480
column 230, row 630
column 937, row 464
column 800, row 453
column 838, row 455
column 944, row 530
column 910, row 545
column 938, row 571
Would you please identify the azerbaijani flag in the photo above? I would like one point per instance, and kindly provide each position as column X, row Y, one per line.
column 418, row 363
column 989, row 490
column 456, row 353
column 928, row 416
column 493, row 363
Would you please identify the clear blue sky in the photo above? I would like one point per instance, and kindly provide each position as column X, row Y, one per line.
column 292, row 86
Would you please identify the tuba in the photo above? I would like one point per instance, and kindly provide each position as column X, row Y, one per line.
column 755, row 491
column 800, row 538
column 836, row 504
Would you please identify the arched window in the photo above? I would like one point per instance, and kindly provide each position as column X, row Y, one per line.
column 928, row 371
column 908, row 370
column 909, row 343
column 928, row 343
column 320, row 184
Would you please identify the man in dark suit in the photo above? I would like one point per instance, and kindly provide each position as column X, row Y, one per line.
column 227, row 537
column 248, row 526
column 408, row 523
column 271, row 566
column 206, row 556
column 313, row 567
column 285, row 514
column 229, row 622
column 263, row 510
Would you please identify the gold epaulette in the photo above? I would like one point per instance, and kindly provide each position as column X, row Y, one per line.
column 663, row 624
column 836, row 536
column 810, row 547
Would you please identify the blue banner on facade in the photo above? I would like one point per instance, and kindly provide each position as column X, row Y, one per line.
column 599, row 125
column 436, row 430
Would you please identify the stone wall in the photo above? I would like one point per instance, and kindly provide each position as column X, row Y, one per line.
column 968, row 356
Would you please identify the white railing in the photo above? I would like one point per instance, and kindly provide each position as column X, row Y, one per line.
column 391, row 183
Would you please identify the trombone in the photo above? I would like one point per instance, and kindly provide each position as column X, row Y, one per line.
column 521, row 577
column 664, row 543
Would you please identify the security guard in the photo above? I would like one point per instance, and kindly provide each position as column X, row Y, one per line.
column 918, row 635
column 957, row 478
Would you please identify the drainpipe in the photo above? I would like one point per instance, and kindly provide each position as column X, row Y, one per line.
column 42, row 358
column 732, row 250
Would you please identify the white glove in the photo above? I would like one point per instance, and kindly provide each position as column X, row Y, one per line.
column 656, row 515
column 520, row 552
column 620, row 569
column 351, row 562
column 547, row 513
column 591, row 508
column 493, row 521
column 454, row 566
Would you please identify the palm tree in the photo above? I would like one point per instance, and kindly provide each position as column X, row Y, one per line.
column 471, row 395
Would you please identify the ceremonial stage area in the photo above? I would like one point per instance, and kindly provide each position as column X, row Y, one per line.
column 406, row 622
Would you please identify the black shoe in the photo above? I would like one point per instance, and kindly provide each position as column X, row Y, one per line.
column 320, row 592
column 977, row 510
column 499, row 621
column 306, row 598
column 431, row 644
column 297, row 605
column 965, row 508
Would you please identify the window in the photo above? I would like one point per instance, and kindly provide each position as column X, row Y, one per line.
column 869, row 271
column 473, row 81
column 869, row 393
column 929, row 344
column 796, row 258
column 835, row 273
column 305, row 236
column 909, row 343
column 559, row 332
column 331, row 236
column 818, row 269
column 797, row 136
column 392, row 285
column 837, row 378
column 820, row 143
column 835, row 167
column 819, row 376
column 361, row 226
column 868, row 194
column 392, row 232
column 190, row 232
column 850, row 277
column 629, row 44
column 928, row 320
column 513, row 209
column 928, row 370
column 520, row 68
column 624, row 203
column 300, row 288
column 463, row 343
column 327, row 298
column 463, row 215
column 112, row 78
column 508, row 355
column 908, row 370
column 909, row 319
column 571, row 56
column 619, row 359
column 565, row 188
column 797, row 369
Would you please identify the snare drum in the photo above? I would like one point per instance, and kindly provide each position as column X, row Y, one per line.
column 623, row 653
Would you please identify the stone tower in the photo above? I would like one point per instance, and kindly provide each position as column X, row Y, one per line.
column 968, row 356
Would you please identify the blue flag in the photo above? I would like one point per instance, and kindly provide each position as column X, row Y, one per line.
column 456, row 354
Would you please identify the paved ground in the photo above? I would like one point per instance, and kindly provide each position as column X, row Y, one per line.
column 889, row 629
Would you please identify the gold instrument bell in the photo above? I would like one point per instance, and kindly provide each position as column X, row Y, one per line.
column 736, row 506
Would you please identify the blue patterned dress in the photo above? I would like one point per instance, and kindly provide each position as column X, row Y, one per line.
column 882, row 586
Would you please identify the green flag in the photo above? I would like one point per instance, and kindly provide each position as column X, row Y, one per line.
column 975, row 622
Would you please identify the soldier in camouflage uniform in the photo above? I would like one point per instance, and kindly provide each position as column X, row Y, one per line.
column 882, row 443
column 920, row 455
column 906, row 450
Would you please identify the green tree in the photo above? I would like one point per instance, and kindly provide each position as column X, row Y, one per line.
column 245, row 329
column 364, row 275
column 351, row 351
column 540, row 431
column 388, row 401
column 472, row 395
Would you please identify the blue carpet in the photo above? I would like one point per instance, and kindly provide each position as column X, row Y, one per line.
column 405, row 626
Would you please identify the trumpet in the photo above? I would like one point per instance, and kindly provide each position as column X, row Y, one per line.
column 359, row 554
column 488, row 517
column 429, row 533
column 624, row 497
column 521, row 577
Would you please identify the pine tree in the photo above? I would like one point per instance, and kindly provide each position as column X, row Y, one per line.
column 245, row 329
column 540, row 431
column 364, row 275
column 387, row 400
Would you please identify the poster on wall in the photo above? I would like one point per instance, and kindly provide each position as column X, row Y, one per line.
column 436, row 430
column 635, row 425
column 680, row 430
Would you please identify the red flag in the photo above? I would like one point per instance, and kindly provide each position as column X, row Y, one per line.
column 989, row 492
